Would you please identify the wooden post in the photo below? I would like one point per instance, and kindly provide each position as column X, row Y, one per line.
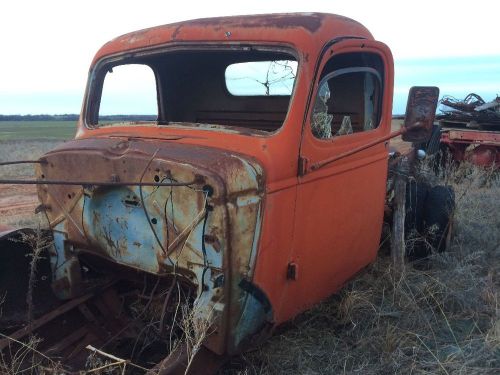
column 399, row 213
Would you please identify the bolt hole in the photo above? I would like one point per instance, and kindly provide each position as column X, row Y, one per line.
column 157, row 178
column 43, row 176
column 69, row 196
column 154, row 221
column 208, row 190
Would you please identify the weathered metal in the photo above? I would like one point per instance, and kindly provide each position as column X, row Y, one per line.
column 91, row 183
column 21, row 162
column 420, row 113
column 194, row 230
column 179, row 362
column 223, row 259
column 479, row 147
column 472, row 110
column 375, row 142
column 470, row 129
column 251, row 223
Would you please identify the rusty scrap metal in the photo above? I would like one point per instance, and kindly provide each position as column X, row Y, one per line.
column 22, row 162
column 92, row 183
column 471, row 112
column 420, row 113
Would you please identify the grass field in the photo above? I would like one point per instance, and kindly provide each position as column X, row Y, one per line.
column 31, row 130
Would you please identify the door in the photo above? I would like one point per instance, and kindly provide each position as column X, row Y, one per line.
column 340, row 204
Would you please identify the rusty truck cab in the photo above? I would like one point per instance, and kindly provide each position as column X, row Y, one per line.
column 229, row 187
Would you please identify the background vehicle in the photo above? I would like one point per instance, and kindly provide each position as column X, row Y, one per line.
column 468, row 130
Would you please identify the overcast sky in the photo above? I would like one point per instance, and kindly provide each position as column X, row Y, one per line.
column 47, row 45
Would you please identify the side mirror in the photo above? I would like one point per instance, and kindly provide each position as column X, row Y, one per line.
column 420, row 113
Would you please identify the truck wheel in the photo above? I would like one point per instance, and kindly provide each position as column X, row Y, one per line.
column 434, row 141
column 438, row 213
column 432, row 145
column 416, row 196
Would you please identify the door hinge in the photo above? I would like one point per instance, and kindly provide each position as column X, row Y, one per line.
column 303, row 164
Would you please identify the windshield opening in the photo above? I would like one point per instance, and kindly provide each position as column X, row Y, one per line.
column 244, row 88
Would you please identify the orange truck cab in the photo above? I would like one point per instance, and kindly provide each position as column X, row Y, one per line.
column 217, row 154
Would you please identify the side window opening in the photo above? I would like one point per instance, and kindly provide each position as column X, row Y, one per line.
column 349, row 96
column 128, row 95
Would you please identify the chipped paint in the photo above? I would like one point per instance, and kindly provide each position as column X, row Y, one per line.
column 243, row 184
column 206, row 231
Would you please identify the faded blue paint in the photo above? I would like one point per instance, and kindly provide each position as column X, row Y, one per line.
column 255, row 242
column 111, row 222
column 65, row 266
column 121, row 228
column 57, row 262
column 253, row 318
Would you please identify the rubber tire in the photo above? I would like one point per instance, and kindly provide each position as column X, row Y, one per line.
column 438, row 212
column 416, row 196
column 432, row 146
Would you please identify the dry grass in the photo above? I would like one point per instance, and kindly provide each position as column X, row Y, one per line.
column 440, row 316
column 196, row 327
column 22, row 150
column 25, row 221
column 24, row 358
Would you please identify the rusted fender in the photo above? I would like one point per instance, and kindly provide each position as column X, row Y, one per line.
column 206, row 232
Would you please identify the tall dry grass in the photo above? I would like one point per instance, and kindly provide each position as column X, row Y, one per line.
column 441, row 316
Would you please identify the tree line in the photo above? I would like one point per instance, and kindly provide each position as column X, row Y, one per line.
column 74, row 117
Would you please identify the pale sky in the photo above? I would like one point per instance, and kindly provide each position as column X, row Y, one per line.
column 47, row 46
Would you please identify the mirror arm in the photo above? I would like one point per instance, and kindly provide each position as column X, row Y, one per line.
column 397, row 133
column 411, row 127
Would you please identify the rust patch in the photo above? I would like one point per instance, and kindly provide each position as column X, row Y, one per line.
column 176, row 32
column 309, row 21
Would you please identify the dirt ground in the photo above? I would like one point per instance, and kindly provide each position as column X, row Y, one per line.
column 17, row 206
column 18, row 202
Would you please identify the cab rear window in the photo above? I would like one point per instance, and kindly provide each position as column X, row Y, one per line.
column 261, row 78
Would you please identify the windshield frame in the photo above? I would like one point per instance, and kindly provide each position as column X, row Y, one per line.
column 90, row 110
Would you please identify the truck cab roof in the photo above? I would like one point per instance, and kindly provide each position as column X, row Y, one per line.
column 300, row 29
